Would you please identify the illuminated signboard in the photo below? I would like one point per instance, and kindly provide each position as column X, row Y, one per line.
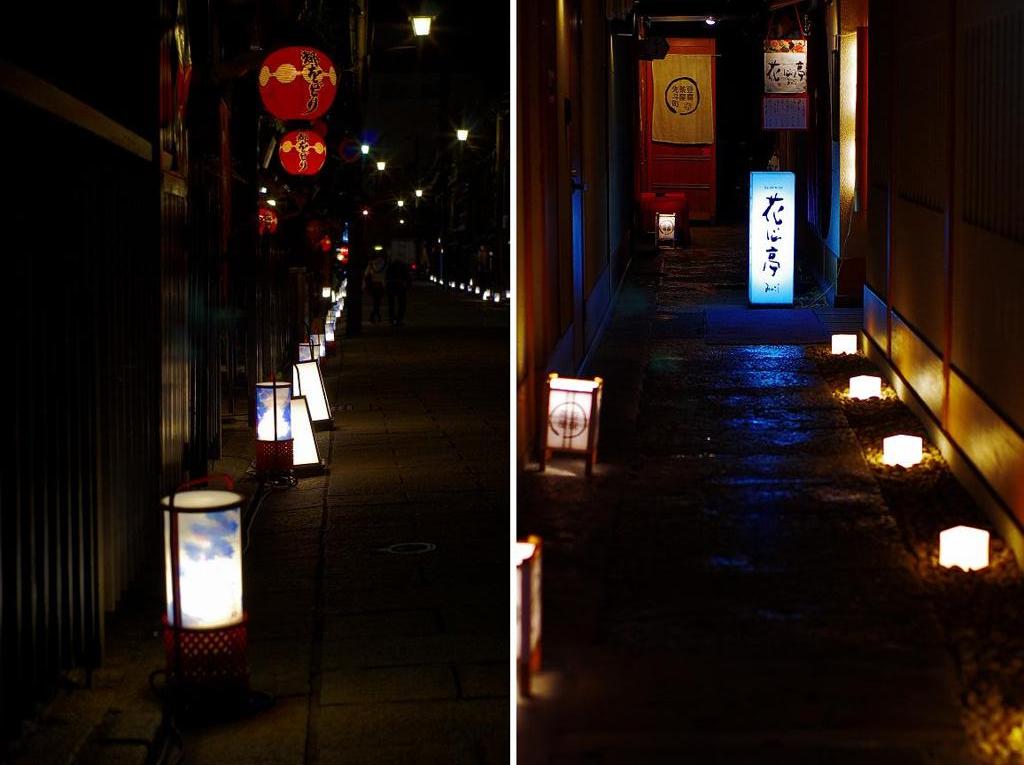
column 772, row 231
column 666, row 229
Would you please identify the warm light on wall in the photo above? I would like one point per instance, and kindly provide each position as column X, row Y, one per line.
column 528, row 610
column 902, row 450
column 844, row 344
column 964, row 547
column 574, row 412
column 421, row 25
column 865, row 386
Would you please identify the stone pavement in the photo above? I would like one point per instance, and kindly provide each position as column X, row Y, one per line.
column 730, row 586
column 371, row 656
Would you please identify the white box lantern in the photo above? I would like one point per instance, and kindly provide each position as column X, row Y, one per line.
column 902, row 450
column 772, row 233
column 305, row 352
column 321, row 340
column 573, row 418
column 666, row 229
column 273, row 426
column 308, row 381
column 306, row 454
column 528, row 610
column 964, row 546
column 844, row 344
column 865, row 387
column 204, row 622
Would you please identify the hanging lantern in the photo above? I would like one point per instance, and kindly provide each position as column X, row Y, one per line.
column 302, row 152
column 844, row 344
column 308, row 381
column 574, row 413
column 965, row 547
column 306, row 455
column 266, row 221
column 297, row 83
column 204, row 624
column 865, row 387
column 905, row 451
column 528, row 610
column 273, row 426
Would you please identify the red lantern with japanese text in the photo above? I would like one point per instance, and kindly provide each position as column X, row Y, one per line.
column 302, row 152
column 297, row 83
column 267, row 221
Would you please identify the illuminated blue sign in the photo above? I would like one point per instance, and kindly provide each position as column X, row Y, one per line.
column 772, row 234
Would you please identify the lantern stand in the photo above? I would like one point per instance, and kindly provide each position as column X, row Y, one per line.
column 207, row 668
column 583, row 419
column 274, row 456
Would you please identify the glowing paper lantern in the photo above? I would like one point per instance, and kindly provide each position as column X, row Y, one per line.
column 965, row 547
column 574, row 412
column 306, row 453
column 273, row 426
column 204, row 624
column 297, row 83
column 266, row 221
column 462, row 134
column 771, row 237
column 902, row 450
column 844, row 344
column 305, row 352
column 302, row 152
column 419, row 193
column 325, row 293
column 382, row 165
column 308, row 381
column 421, row 25
column 865, row 386
column 666, row 229
column 321, row 339
column 528, row 610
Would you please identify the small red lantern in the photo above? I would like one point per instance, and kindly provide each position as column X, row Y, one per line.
column 302, row 152
column 297, row 83
column 267, row 221
column 325, row 244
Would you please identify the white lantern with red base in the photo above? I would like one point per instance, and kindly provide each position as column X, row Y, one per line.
column 528, row 611
column 204, row 624
column 573, row 415
column 273, row 426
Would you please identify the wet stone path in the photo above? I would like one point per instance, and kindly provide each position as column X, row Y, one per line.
column 730, row 587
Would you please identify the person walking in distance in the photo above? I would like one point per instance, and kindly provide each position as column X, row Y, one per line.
column 375, row 285
column 398, row 282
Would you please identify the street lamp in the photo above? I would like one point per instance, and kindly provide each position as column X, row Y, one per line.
column 365, row 148
column 381, row 165
column 419, row 193
column 421, row 25
column 462, row 134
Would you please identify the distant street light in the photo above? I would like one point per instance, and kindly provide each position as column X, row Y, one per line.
column 365, row 148
column 401, row 221
column 419, row 193
column 365, row 211
column 263, row 189
column 462, row 134
column 710, row 21
column 421, row 25
column 272, row 202
column 401, row 203
column 381, row 165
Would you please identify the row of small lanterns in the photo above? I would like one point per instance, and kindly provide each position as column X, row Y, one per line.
column 488, row 296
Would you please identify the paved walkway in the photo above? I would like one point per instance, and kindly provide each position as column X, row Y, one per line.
column 730, row 587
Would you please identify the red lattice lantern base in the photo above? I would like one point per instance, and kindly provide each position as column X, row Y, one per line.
column 274, row 455
column 210, row 658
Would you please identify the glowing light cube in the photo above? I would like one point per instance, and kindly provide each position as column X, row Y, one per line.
column 844, row 344
column 965, row 547
column 902, row 450
column 573, row 416
column 865, row 387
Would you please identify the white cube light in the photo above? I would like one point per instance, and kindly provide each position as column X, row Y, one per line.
column 308, row 381
column 965, row 547
column 844, row 344
column 528, row 610
column 902, row 450
column 865, row 386
column 573, row 417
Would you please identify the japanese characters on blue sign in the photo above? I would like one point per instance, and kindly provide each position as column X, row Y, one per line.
column 772, row 233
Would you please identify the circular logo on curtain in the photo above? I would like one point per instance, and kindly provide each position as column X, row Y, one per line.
column 568, row 420
column 682, row 96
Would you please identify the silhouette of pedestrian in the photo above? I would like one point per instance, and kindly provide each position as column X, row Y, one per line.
column 398, row 281
column 375, row 285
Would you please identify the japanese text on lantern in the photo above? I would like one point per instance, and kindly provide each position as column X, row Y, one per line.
column 771, row 236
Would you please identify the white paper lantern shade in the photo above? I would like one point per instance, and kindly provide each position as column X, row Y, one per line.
column 905, row 451
column 306, row 454
column 528, row 610
column 322, row 340
column 666, row 229
column 308, row 381
column 964, row 547
column 844, row 344
column 865, row 387
column 204, row 622
column 305, row 352
column 273, row 426
column 573, row 418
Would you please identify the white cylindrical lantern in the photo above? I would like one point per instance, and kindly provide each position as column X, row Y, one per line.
column 844, row 344
column 204, row 622
column 865, row 386
column 573, row 417
column 308, row 381
column 273, row 426
column 528, row 610
column 965, row 547
column 902, row 450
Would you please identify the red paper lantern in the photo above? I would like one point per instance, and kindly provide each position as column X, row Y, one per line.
column 325, row 244
column 297, row 83
column 267, row 221
column 302, row 152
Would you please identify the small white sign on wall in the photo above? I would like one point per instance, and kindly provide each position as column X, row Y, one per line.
column 772, row 233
